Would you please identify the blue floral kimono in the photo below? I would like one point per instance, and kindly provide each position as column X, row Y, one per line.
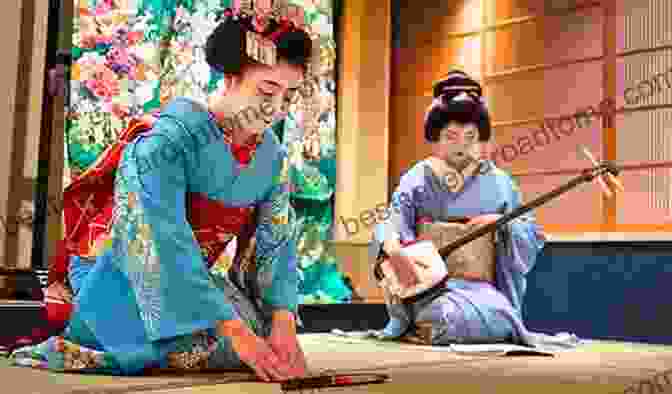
column 466, row 311
column 148, row 298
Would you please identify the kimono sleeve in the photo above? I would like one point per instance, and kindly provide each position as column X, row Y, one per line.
column 153, row 243
column 520, row 242
column 525, row 240
column 276, row 255
column 400, row 217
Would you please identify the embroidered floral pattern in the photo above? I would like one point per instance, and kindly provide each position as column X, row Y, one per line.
column 222, row 265
column 143, row 270
column 193, row 352
column 56, row 353
column 243, row 153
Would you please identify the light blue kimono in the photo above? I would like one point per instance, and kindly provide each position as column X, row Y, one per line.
column 467, row 311
column 150, row 297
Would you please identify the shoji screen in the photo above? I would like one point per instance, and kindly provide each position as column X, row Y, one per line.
column 644, row 126
column 545, row 64
column 558, row 74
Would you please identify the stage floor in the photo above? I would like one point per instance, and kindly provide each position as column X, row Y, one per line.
column 596, row 367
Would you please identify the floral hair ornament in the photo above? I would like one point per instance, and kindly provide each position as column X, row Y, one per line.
column 262, row 47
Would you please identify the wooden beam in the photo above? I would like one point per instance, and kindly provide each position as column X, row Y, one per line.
column 644, row 50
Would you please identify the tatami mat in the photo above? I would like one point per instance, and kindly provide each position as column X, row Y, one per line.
column 596, row 367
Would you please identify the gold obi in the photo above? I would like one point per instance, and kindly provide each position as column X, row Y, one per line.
column 474, row 261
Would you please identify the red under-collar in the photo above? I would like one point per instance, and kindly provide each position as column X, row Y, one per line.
column 243, row 153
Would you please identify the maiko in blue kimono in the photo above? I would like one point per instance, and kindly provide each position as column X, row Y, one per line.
column 152, row 284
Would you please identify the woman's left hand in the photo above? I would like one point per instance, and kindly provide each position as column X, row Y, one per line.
column 482, row 220
column 285, row 344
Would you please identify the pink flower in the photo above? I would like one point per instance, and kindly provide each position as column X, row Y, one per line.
column 87, row 41
column 425, row 220
column 121, row 111
column 104, row 7
column 104, row 39
column 104, row 83
column 134, row 37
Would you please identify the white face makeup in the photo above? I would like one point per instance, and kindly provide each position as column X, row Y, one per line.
column 259, row 99
column 457, row 143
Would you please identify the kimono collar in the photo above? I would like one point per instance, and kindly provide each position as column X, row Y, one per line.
column 243, row 153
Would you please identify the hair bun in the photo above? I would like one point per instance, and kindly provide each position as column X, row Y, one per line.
column 457, row 81
column 225, row 45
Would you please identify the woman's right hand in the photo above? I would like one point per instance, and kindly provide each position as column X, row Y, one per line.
column 403, row 267
column 254, row 351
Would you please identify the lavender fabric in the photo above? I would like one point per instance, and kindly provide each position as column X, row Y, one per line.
column 466, row 312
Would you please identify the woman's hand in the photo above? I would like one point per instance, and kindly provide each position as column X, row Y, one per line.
column 285, row 344
column 402, row 266
column 483, row 220
column 253, row 351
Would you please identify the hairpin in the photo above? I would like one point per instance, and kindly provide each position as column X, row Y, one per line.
column 445, row 89
column 263, row 49
column 260, row 49
column 463, row 96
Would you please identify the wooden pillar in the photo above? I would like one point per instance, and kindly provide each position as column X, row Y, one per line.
column 362, row 133
column 54, row 155
column 24, row 32
column 609, row 118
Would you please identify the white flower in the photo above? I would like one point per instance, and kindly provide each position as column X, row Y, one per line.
column 202, row 23
column 145, row 91
column 322, row 26
column 146, row 52
column 201, row 72
column 295, row 155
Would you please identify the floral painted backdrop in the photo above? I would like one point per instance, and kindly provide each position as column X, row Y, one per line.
column 130, row 57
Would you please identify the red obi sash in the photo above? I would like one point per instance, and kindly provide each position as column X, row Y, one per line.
column 87, row 209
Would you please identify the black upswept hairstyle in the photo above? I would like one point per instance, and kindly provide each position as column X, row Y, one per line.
column 457, row 98
column 225, row 47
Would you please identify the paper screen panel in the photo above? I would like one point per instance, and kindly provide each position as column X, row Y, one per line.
column 424, row 24
column 644, row 136
column 512, row 9
column 551, row 153
column 456, row 52
column 531, row 147
column 643, row 24
column 645, row 79
column 419, row 67
column 580, row 206
column 555, row 92
column 550, row 40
